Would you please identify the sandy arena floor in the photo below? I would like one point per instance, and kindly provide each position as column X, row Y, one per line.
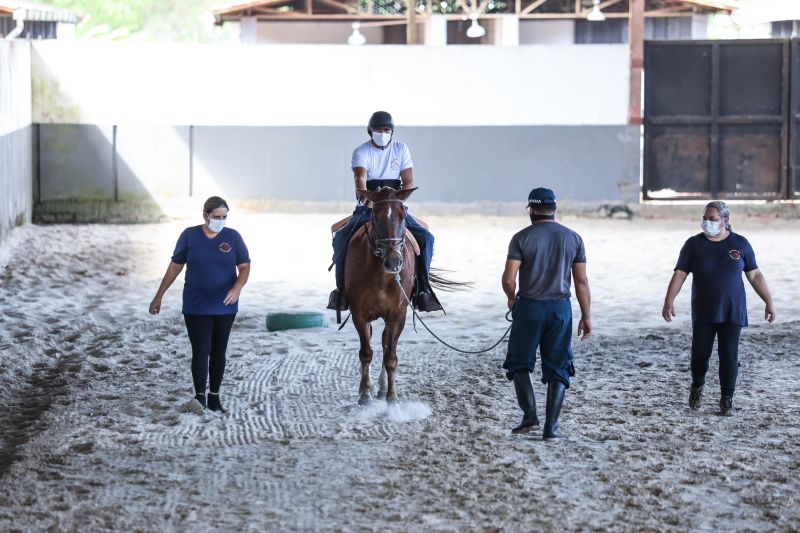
column 95, row 436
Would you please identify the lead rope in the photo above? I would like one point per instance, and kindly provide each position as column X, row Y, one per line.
column 416, row 315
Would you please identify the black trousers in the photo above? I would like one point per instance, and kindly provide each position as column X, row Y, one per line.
column 209, row 337
column 728, row 348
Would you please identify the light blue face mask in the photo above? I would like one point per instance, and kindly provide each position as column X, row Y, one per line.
column 215, row 225
column 711, row 228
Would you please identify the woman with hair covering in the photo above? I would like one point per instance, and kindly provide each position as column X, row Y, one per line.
column 217, row 267
column 716, row 259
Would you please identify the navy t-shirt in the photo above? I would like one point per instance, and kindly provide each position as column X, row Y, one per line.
column 210, row 269
column 717, row 287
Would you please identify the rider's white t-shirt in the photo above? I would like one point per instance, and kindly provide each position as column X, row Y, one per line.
column 382, row 164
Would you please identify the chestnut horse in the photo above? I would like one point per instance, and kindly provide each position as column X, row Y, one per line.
column 376, row 259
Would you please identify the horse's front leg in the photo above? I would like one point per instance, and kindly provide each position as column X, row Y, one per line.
column 365, row 356
column 382, row 381
column 391, row 335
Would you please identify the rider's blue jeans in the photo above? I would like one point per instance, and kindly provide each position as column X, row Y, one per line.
column 361, row 215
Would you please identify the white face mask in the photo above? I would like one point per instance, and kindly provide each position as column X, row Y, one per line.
column 381, row 139
column 215, row 225
column 711, row 228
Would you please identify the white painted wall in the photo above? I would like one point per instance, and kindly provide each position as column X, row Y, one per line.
column 15, row 85
column 16, row 158
column 310, row 32
column 547, row 32
column 307, row 85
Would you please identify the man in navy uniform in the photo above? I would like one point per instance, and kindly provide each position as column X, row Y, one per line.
column 546, row 255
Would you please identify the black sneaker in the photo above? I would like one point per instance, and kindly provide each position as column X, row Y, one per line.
column 726, row 407
column 214, row 404
column 695, row 397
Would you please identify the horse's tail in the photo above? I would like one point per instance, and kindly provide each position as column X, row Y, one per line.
column 438, row 281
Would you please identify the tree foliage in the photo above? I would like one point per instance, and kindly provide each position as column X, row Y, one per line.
column 146, row 20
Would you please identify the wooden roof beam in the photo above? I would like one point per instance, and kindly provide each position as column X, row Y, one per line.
column 347, row 8
column 533, row 7
column 601, row 6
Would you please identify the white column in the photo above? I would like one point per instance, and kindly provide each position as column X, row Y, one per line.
column 700, row 26
column 65, row 31
column 506, row 30
column 249, row 30
column 436, row 31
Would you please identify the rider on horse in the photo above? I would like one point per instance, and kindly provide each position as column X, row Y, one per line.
column 377, row 163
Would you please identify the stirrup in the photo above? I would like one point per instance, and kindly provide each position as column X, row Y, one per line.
column 337, row 301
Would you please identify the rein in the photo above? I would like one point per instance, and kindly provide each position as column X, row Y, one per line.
column 416, row 315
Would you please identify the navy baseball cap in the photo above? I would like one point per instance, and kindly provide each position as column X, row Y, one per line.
column 541, row 196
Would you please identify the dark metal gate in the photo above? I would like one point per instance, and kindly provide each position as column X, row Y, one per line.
column 717, row 120
column 794, row 148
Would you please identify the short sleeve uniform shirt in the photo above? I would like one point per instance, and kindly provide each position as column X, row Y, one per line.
column 717, row 288
column 382, row 164
column 547, row 251
column 210, row 269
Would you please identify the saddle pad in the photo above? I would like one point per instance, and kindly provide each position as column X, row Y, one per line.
column 409, row 237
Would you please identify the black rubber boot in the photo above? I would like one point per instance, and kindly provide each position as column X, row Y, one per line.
column 555, row 398
column 425, row 300
column 214, row 404
column 337, row 300
column 726, row 407
column 526, row 400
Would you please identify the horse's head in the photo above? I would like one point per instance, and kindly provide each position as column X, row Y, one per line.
column 388, row 225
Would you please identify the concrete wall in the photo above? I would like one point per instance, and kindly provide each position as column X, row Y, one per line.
column 587, row 164
column 16, row 136
column 133, row 123
column 310, row 32
column 547, row 32
column 318, row 85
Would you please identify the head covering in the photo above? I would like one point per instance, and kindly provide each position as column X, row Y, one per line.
column 541, row 196
column 381, row 119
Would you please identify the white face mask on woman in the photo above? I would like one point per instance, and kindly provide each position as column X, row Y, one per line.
column 381, row 139
column 711, row 228
column 215, row 225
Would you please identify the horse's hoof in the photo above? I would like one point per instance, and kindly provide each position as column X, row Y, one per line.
column 364, row 400
column 381, row 396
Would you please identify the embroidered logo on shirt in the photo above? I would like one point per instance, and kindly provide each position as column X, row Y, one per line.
column 735, row 255
column 395, row 164
column 225, row 247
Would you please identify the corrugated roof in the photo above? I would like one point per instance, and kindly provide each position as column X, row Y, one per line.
column 39, row 12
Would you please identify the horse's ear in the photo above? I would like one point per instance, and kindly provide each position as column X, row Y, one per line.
column 405, row 193
column 369, row 195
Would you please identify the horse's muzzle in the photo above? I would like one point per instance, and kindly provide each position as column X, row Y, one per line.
column 393, row 263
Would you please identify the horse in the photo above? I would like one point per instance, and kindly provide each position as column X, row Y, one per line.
column 378, row 264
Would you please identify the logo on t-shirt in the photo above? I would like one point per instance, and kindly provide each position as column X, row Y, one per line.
column 395, row 164
column 735, row 255
column 225, row 247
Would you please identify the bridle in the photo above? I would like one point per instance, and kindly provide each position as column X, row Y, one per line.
column 396, row 243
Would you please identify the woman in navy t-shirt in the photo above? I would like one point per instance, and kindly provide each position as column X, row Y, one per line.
column 716, row 259
column 217, row 267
